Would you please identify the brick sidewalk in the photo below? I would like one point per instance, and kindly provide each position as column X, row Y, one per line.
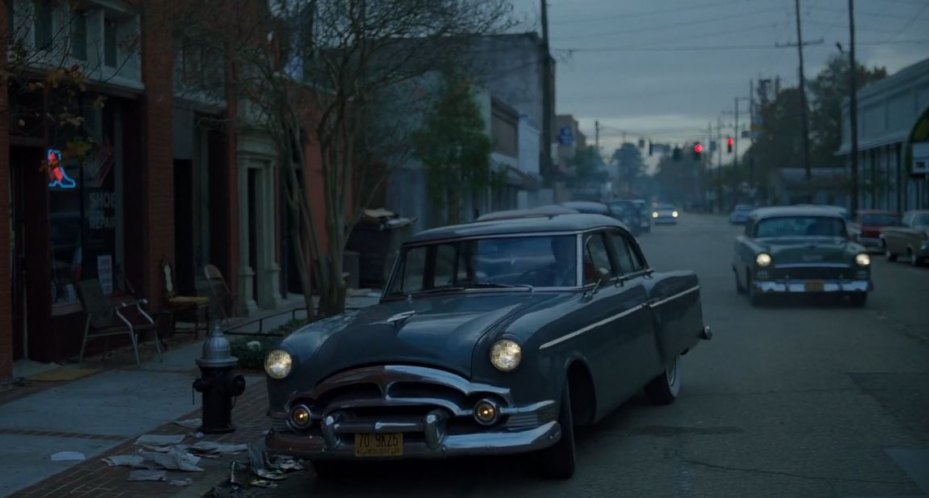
column 94, row 478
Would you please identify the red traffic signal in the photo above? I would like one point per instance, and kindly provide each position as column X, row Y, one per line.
column 698, row 151
column 729, row 143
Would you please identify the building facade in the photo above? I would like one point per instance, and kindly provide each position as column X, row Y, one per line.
column 893, row 122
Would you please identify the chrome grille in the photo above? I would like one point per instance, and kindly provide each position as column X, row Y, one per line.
column 812, row 273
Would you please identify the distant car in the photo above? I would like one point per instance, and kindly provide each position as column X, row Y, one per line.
column 628, row 212
column 910, row 239
column 800, row 250
column 868, row 225
column 588, row 207
column 739, row 215
column 664, row 214
column 644, row 215
column 491, row 338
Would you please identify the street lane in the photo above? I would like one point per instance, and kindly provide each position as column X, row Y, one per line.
column 794, row 399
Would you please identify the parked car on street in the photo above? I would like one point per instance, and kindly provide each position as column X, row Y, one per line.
column 800, row 250
column 665, row 214
column 910, row 239
column 739, row 214
column 493, row 337
column 526, row 213
column 868, row 225
column 628, row 212
column 644, row 216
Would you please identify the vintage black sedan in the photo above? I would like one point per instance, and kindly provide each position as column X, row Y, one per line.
column 800, row 250
column 492, row 337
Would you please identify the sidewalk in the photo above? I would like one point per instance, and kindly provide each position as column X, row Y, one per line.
column 103, row 414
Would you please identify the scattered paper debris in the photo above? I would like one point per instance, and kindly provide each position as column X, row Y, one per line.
column 147, row 475
column 271, row 475
column 286, row 463
column 125, row 461
column 160, row 439
column 181, row 482
column 68, row 456
column 209, row 447
column 174, row 460
column 261, row 483
column 190, row 423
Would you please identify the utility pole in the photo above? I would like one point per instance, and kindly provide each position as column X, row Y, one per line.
column 751, row 136
column 853, row 104
column 597, row 136
column 719, row 164
column 547, row 99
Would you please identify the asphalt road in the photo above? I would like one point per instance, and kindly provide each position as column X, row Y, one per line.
column 805, row 399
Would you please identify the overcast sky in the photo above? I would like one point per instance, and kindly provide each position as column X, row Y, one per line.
column 664, row 69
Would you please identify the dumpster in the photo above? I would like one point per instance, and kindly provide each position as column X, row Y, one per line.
column 376, row 238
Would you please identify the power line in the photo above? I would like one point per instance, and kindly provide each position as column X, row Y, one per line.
column 911, row 21
column 667, row 26
column 711, row 48
column 648, row 13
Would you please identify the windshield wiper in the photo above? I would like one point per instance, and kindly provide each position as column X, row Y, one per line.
column 497, row 285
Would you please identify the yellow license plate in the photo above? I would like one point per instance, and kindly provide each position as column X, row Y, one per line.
column 814, row 286
column 378, row 445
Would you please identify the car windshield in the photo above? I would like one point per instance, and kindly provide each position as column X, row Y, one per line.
column 921, row 220
column 800, row 226
column 664, row 206
column 880, row 219
column 536, row 261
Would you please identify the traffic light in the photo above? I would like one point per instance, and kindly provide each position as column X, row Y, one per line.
column 729, row 143
column 698, row 151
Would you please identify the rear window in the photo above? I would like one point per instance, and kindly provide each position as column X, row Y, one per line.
column 880, row 219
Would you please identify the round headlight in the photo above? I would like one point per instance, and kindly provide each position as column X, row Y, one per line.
column 505, row 355
column 654, row 214
column 674, row 214
column 863, row 259
column 763, row 259
column 278, row 364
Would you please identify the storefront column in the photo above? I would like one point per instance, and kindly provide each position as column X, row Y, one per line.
column 6, row 312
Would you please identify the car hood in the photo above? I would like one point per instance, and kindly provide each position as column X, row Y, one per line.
column 806, row 250
column 438, row 331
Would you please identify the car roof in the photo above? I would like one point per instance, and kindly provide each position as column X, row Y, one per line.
column 587, row 206
column 551, row 210
column 578, row 222
column 777, row 211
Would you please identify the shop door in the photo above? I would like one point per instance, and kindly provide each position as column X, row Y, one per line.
column 184, row 265
column 29, row 232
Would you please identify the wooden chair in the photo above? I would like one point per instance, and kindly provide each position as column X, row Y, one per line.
column 105, row 319
column 198, row 306
column 224, row 299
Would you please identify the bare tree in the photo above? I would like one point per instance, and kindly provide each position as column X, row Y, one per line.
column 314, row 83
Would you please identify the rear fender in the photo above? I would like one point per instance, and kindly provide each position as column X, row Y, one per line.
column 677, row 312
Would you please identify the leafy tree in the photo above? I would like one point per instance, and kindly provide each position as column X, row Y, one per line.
column 827, row 91
column 454, row 147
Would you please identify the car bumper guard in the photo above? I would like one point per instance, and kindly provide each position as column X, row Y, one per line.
column 812, row 286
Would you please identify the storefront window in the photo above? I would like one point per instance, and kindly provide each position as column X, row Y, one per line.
column 82, row 218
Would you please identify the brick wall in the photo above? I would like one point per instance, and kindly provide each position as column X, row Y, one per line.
column 158, row 165
column 6, row 312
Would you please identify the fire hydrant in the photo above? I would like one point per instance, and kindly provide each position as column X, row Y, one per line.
column 217, row 383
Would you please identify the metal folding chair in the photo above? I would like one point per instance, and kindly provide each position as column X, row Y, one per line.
column 105, row 319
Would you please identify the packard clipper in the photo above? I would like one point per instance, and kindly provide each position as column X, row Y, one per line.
column 494, row 337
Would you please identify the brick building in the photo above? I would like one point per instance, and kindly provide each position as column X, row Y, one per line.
column 169, row 172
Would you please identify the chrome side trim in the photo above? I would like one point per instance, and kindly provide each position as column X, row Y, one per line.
column 675, row 296
column 592, row 326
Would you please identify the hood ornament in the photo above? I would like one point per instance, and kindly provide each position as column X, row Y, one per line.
column 400, row 318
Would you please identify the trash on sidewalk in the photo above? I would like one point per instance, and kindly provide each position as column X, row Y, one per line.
column 147, row 475
column 261, row 483
column 181, row 482
column 160, row 439
column 286, row 463
column 190, row 423
column 67, row 456
column 125, row 461
column 175, row 459
column 211, row 448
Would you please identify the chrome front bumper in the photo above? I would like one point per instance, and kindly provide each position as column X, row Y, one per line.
column 436, row 421
column 800, row 286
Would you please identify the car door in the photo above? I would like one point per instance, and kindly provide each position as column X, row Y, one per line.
column 632, row 345
column 895, row 237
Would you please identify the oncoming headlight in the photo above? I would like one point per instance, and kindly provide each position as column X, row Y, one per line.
column 863, row 259
column 278, row 364
column 675, row 214
column 654, row 214
column 763, row 259
column 505, row 355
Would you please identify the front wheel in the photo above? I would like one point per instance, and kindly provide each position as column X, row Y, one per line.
column 888, row 254
column 663, row 389
column 559, row 460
